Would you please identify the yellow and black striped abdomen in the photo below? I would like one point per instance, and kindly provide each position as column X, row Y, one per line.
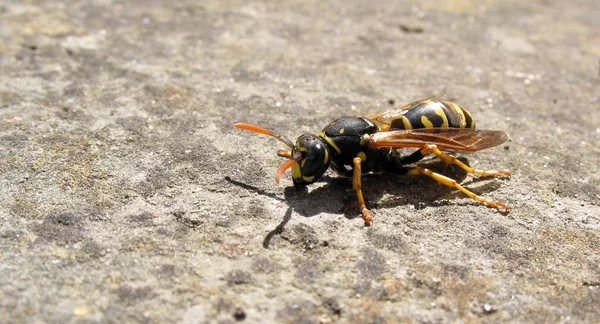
column 433, row 114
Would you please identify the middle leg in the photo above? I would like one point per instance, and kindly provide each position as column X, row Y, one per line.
column 356, row 185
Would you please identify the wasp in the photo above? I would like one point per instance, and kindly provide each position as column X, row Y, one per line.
column 353, row 146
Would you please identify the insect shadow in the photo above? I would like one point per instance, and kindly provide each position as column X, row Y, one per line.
column 336, row 196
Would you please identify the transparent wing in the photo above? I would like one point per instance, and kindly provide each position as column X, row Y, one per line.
column 447, row 139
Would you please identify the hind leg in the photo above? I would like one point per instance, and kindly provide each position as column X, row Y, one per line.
column 449, row 159
column 453, row 184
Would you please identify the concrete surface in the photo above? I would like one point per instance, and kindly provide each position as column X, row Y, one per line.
column 127, row 196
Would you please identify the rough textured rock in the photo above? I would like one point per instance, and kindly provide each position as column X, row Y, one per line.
column 126, row 194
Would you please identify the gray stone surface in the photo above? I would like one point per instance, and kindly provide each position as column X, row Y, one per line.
column 127, row 196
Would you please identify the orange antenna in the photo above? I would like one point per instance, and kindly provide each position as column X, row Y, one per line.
column 264, row 131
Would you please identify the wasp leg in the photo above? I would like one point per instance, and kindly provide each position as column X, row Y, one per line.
column 453, row 184
column 449, row 159
column 366, row 215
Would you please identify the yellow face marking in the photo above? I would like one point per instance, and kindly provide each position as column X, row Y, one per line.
column 440, row 112
column 341, row 131
column 296, row 174
column 426, row 122
column 308, row 179
column 326, row 159
column 362, row 156
column 330, row 142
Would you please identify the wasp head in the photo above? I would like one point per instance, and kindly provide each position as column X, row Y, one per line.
column 308, row 157
column 311, row 159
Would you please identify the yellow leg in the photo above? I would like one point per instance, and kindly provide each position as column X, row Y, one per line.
column 453, row 184
column 366, row 215
column 449, row 159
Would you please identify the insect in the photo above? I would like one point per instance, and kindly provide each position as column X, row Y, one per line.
column 352, row 146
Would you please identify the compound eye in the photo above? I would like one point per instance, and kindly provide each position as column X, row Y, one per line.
column 313, row 159
column 314, row 156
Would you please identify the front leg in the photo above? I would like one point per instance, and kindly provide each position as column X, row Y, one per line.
column 366, row 215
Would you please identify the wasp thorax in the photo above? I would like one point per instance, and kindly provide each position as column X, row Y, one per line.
column 314, row 159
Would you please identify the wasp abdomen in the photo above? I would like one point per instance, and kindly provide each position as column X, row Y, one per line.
column 434, row 114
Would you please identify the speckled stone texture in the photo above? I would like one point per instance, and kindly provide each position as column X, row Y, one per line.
column 126, row 195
